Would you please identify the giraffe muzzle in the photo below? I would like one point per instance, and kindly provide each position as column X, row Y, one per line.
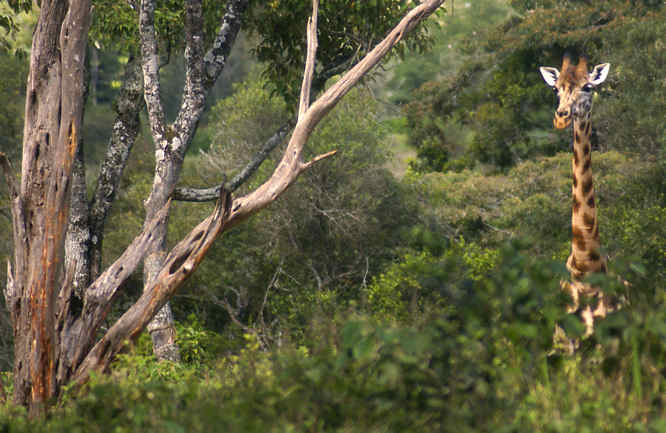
column 561, row 122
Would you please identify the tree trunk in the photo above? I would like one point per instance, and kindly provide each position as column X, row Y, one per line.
column 53, row 115
column 171, row 141
column 56, row 320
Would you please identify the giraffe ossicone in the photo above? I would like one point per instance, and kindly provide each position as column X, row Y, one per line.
column 574, row 86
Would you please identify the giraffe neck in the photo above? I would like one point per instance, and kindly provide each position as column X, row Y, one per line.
column 585, row 245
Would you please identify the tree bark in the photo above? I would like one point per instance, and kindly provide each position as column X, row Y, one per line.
column 187, row 254
column 171, row 141
column 53, row 116
column 125, row 129
column 83, row 243
column 210, row 194
column 55, row 321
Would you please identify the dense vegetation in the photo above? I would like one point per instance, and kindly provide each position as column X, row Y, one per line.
column 412, row 296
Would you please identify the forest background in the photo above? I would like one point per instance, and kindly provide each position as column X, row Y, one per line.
column 411, row 282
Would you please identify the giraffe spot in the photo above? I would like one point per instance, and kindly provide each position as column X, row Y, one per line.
column 596, row 232
column 576, row 204
column 589, row 219
column 586, row 164
column 587, row 128
column 587, row 186
column 577, row 237
column 583, row 267
column 575, row 157
column 576, row 137
column 590, row 201
column 586, row 149
column 575, row 180
column 594, row 255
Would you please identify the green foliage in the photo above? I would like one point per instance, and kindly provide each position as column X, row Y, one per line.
column 198, row 345
column 116, row 23
column 395, row 293
column 480, row 363
column 418, row 282
column 458, row 24
column 12, row 89
column 365, row 303
column 346, row 32
column 498, row 97
column 10, row 21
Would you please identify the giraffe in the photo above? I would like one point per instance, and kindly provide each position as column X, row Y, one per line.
column 573, row 86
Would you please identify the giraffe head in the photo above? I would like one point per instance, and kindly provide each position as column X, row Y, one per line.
column 573, row 86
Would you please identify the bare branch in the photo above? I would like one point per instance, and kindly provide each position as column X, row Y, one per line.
column 233, row 314
column 197, row 195
column 188, row 253
column 212, row 193
column 202, row 71
column 183, row 259
column 318, row 158
column 104, row 288
column 291, row 165
column 309, row 60
column 194, row 95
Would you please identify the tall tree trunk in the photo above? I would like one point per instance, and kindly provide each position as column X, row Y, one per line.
column 53, row 116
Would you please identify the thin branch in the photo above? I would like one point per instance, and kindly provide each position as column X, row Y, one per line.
column 304, row 103
column 317, row 159
column 260, row 156
column 233, row 314
column 268, row 289
column 212, row 193
column 291, row 165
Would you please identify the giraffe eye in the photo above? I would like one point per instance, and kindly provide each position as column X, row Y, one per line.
column 587, row 88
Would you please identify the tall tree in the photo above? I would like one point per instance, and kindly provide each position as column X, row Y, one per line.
column 282, row 42
column 57, row 316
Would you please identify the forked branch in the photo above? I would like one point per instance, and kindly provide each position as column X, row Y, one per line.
column 181, row 262
column 187, row 255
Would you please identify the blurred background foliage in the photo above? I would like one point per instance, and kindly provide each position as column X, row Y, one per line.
column 411, row 282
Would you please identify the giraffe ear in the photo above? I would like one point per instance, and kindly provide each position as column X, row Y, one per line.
column 549, row 75
column 599, row 74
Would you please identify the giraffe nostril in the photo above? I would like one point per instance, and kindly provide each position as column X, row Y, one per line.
column 563, row 113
